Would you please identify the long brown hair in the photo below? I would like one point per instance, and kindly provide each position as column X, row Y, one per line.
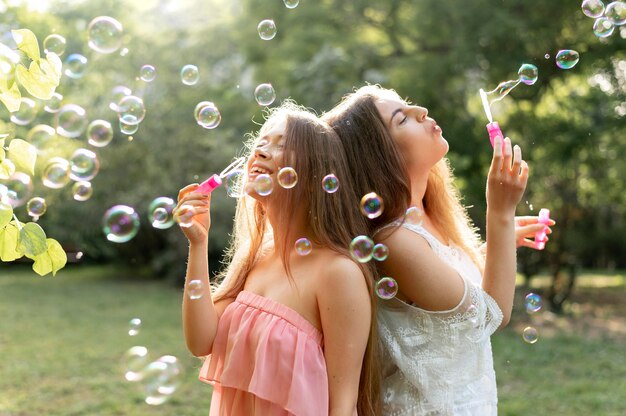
column 313, row 149
column 379, row 167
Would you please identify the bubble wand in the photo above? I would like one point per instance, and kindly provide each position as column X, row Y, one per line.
column 215, row 180
column 493, row 128
column 541, row 236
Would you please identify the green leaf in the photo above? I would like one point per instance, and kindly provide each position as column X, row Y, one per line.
column 11, row 98
column 42, row 264
column 9, row 236
column 52, row 260
column 6, row 213
column 51, row 66
column 26, row 42
column 2, row 153
column 7, row 168
column 23, row 155
column 37, row 83
column 32, row 239
column 57, row 255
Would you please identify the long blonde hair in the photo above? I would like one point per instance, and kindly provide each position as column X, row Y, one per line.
column 313, row 149
column 379, row 167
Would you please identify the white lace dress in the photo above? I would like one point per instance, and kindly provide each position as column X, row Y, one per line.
column 440, row 363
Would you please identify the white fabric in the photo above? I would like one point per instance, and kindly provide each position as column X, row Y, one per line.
column 440, row 362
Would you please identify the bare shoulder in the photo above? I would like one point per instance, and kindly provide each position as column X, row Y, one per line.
column 339, row 277
column 423, row 277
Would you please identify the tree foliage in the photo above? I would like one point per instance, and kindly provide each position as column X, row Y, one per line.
column 437, row 53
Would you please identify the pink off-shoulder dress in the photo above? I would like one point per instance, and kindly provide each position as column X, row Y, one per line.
column 266, row 360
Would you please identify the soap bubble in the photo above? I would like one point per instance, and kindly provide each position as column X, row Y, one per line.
column 134, row 361
column 603, row 27
column 53, row 105
column 547, row 56
column 36, row 207
column 372, row 205
column 616, row 12
column 195, row 289
column 99, row 133
column 120, row 223
column 128, row 124
column 291, row 4
column 39, row 135
column 528, row 74
column 82, row 190
column 530, row 335
column 267, row 29
column 184, row 216
column 504, row 88
column 362, row 248
column 117, row 93
column 593, row 8
column 330, row 183
column 56, row 173
column 533, row 302
column 84, row 165
column 54, row 44
column 208, row 116
column 160, row 379
column 26, row 113
column 131, row 106
column 19, row 189
column 566, row 59
column 381, row 252
column 287, row 177
column 134, row 326
column 75, row 66
column 71, row 120
column 386, row 288
column 160, row 212
column 264, row 94
column 263, row 184
column 234, row 183
column 189, row 75
column 147, row 73
column 303, row 246
column 414, row 216
column 104, row 34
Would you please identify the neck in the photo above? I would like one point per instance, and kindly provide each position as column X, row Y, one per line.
column 287, row 233
column 419, row 181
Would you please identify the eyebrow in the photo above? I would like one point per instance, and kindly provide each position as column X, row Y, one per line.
column 396, row 111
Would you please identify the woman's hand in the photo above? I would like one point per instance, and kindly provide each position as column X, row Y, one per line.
column 507, row 178
column 193, row 214
column 526, row 227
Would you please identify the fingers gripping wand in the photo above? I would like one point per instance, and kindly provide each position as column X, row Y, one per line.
column 493, row 128
column 215, row 180
column 541, row 236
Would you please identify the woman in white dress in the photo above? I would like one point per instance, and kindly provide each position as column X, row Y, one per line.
column 453, row 293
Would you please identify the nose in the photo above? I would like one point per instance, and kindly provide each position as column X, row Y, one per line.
column 420, row 113
column 261, row 152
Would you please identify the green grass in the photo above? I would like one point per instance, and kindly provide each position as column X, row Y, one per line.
column 62, row 340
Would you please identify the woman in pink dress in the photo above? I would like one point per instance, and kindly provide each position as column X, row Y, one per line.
column 285, row 332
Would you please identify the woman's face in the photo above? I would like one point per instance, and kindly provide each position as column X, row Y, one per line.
column 417, row 136
column 267, row 155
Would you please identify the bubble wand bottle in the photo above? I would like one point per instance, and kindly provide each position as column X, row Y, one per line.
column 215, row 180
column 541, row 236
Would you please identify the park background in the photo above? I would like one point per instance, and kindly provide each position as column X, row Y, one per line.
column 63, row 338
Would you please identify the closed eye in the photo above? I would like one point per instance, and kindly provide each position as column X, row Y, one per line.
column 403, row 120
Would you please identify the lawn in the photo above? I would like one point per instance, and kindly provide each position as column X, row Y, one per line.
column 62, row 341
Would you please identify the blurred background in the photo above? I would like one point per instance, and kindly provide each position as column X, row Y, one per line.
column 64, row 340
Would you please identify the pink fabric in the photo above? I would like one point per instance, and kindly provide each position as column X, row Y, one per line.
column 266, row 360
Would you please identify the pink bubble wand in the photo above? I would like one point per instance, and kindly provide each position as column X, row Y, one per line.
column 541, row 236
column 215, row 180
column 493, row 128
